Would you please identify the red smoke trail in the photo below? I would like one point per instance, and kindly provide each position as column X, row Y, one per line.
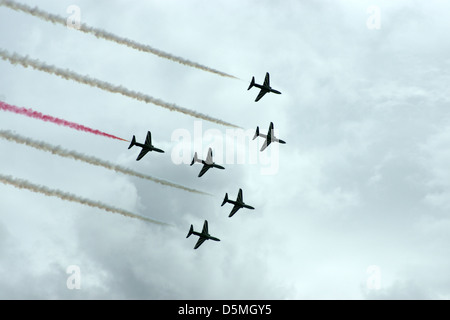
column 37, row 115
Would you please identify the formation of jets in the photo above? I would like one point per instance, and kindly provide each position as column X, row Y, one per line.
column 208, row 163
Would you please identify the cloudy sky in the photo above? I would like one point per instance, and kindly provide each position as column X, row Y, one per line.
column 354, row 206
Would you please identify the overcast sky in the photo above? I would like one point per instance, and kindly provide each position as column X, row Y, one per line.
column 355, row 205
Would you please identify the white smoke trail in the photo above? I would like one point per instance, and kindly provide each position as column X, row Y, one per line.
column 70, row 75
column 56, row 150
column 23, row 184
column 99, row 33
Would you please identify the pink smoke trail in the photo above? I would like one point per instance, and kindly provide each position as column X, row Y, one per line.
column 37, row 115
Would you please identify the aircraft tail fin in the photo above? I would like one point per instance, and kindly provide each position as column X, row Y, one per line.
column 195, row 159
column 133, row 142
column 225, row 200
column 191, row 230
column 256, row 133
column 252, row 83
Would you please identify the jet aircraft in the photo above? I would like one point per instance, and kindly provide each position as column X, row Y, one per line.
column 270, row 137
column 207, row 164
column 239, row 203
column 264, row 88
column 146, row 147
column 204, row 235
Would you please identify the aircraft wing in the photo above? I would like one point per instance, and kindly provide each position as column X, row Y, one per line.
column 199, row 242
column 266, row 144
column 143, row 153
column 204, row 169
column 240, row 197
column 270, row 135
column 209, row 156
column 148, row 139
column 270, row 132
column 267, row 80
column 205, row 227
column 234, row 210
column 260, row 94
